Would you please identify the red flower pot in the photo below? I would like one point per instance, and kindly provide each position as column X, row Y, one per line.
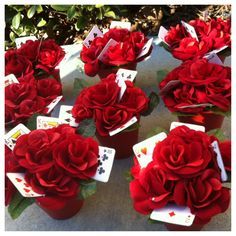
column 209, row 120
column 61, row 210
column 106, row 70
column 122, row 142
column 193, row 227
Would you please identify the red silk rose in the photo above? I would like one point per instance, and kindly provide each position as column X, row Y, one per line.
column 199, row 82
column 225, row 149
column 30, row 50
column 212, row 35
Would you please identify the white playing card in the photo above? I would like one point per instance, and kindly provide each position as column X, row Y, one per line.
column 66, row 117
column 120, row 24
column 174, row 214
column 105, row 162
column 162, row 34
column 190, row 29
column 110, row 43
column 10, row 79
column 95, row 32
column 144, row 150
column 197, row 105
column 46, row 122
column 169, row 86
column 121, row 83
column 22, row 40
column 191, row 126
column 219, row 49
column 11, row 137
column 213, row 58
column 220, row 162
column 124, row 126
column 145, row 48
column 126, row 74
column 53, row 104
column 18, row 179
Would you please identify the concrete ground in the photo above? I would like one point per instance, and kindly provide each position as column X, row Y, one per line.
column 110, row 209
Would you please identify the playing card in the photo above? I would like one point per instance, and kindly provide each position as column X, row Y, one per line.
column 162, row 34
column 53, row 104
column 145, row 48
column 169, row 86
column 124, row 126
column 18, row 179
column 105, row 162
column 110, row 43
column 220, row 162
column 219, row 49
column 126, row 74
column 197, row 105
column 22, row 40
column 10, row 79
column 11, row 137
column 95, row 32
column 46, row 122
column 173, row 214
column 191, row 126
column 213, row 58
column 66, row 117
column 144, row 150
column 121, row 83
column 120, row 24
column 190, row 29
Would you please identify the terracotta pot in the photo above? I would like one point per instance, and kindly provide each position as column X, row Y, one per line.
column 209, row 120
column 122, row 142
column 106, row 70
column 69, row 209
column 193, row 227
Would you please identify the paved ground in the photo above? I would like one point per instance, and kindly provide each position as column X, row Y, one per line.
column 110, row 209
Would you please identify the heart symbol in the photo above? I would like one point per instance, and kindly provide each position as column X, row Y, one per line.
column 26, row 185
column 26, row 190
column 138, row 155
column 144, row 151
column 18, row 180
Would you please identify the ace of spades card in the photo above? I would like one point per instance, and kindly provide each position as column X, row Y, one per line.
column 105, row 162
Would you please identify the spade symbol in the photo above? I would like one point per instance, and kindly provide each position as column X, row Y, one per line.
column 90, row 41
column 69, row 111
column 129, row 77
column 68, row 119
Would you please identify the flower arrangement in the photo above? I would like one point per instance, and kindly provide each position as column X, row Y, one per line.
column 208, row 36
column 125, row 52
column 183, row 170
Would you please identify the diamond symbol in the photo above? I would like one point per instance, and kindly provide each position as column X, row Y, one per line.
column 171, row 214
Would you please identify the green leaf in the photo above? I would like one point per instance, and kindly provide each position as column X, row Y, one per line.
column 16, row 20
column 86, row 128
column 110, row 14
column 155, row 131
column 39, row 9
column 99, row 15
column 79, row 85
column 32, row 121
column 31, row 11
column 80, row 23
column 71, row 12
column 61, row 7
column 41, row 23
column 134, row 126
column 99, row 5
column 217, row 111
column 87, row 189
column 19, row 7
column 18, row 204
column 154, row 100
column 128, row 176
column 161, row 74
column 12, row 36
column 217, row 133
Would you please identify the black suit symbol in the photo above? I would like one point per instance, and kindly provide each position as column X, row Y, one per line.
column 101, row 170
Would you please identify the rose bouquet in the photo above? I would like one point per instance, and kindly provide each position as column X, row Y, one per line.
column 115, row 110
column 197, row 38
column 182, row 178
column 199, row 91
column 31, row 82
column 118, row 47
column 55, row 167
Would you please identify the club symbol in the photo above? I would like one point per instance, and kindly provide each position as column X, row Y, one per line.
column 105, row 157
column 95, row 35
column 90, row 41
column 101, row 170
column 99, row 162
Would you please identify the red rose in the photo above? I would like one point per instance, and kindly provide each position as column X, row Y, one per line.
column 16, row 64
column 225, row 150
column 151, row 190
column 204, row 195
column 49, row 89
column 136, row 168
column 50, row 55
column 33, row 151
column 118, row 34
column 78, row 156
column 110, row 118
column 30, row 49
column 9, row 114
column 138, row 40
column 184, row 153
column 53, row 182
column 29, row 78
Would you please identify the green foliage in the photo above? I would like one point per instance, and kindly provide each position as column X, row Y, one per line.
column 87, row 189
column 128, row 176
column 217, row 133
column 161, row 74
column 87, row 128
column 153, row 102
column 32, row 121
column 18, row 204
